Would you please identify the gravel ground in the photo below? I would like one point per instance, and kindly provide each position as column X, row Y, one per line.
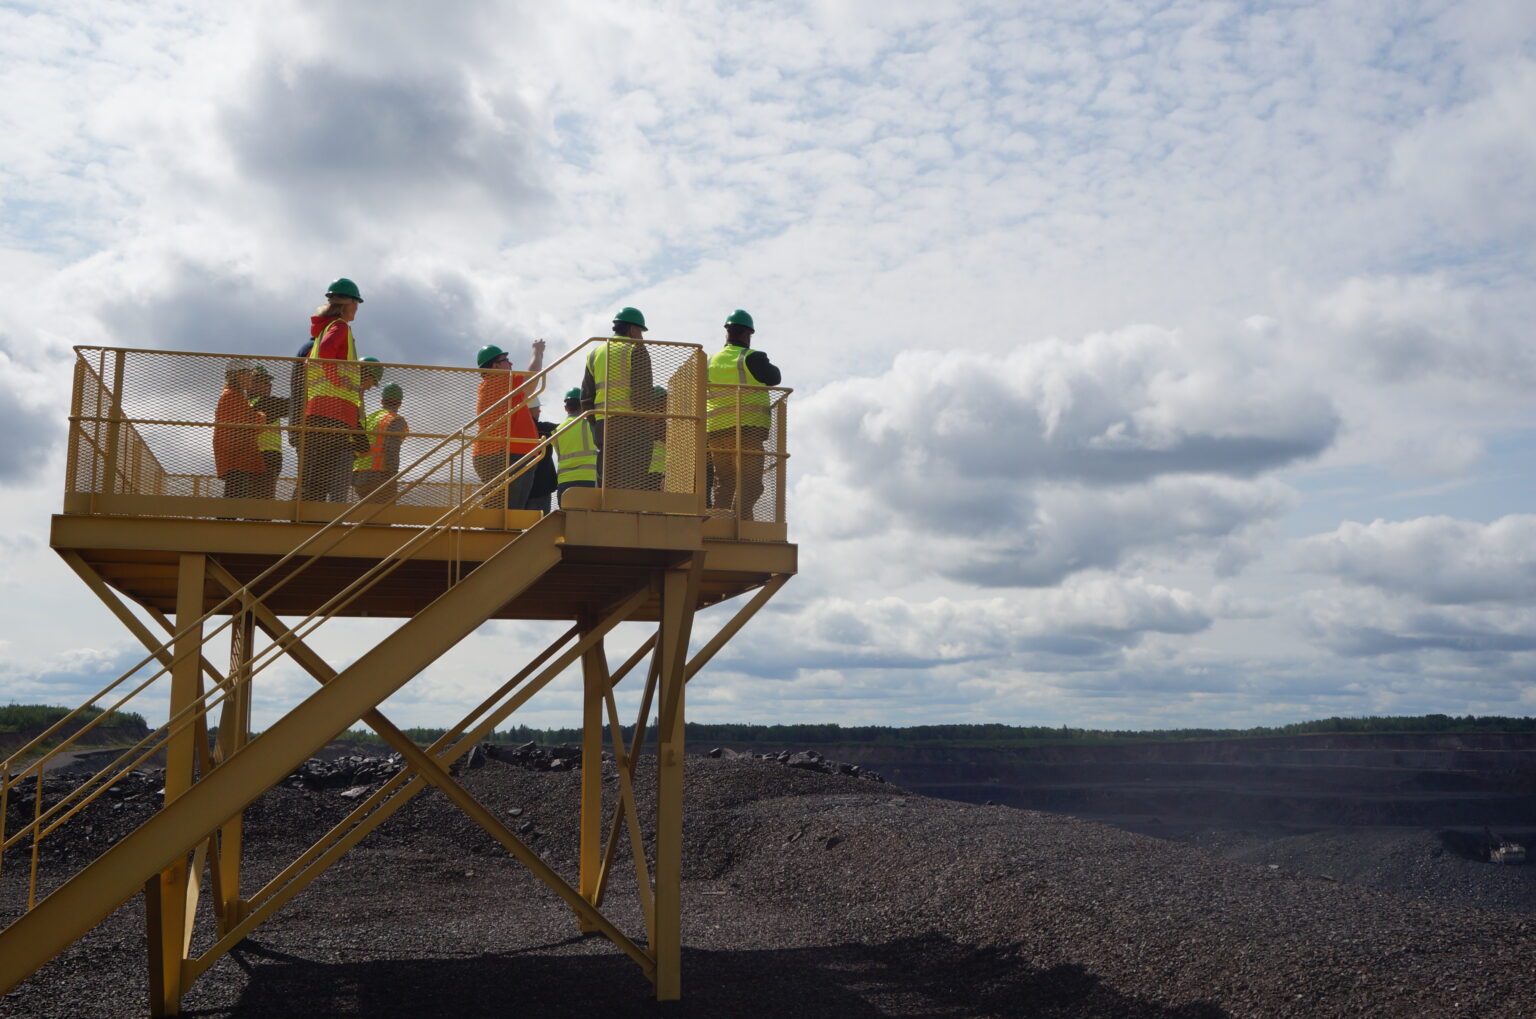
column 808, row 894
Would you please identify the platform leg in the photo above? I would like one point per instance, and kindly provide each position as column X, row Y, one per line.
column 166, row 914
column 234, row 732
column 679, row 596
column 594, row 677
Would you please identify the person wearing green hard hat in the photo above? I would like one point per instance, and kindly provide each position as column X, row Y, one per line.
column 737, row 418
column 333, row 398
column 270, row 439
column 616, row 383
column 373, row 472
column 236, row 459
column 505, row 429
column 576, row 447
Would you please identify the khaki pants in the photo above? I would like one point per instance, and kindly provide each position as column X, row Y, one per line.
column 723, row 458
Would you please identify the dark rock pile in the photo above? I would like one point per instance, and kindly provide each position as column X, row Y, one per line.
column 807, row 891
column 805, row 760
column 346, row 773
column 532, row 757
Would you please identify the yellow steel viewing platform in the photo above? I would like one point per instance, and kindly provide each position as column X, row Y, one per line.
column 259, row 556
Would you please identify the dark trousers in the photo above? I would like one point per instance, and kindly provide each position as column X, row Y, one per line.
column 566, row 485
column 624, row 452
column 375, row 486
column 325, row 462
column 267, row 481
column 488, row 465
column 242, row 485
column 724, row 456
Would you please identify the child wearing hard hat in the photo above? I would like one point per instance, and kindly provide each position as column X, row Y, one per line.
column 373, row 472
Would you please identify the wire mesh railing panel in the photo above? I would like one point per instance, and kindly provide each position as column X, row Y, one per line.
column 167, row 427
column 646, row 402
column 746, row 450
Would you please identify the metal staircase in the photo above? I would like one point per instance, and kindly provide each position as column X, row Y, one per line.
column 136, row 525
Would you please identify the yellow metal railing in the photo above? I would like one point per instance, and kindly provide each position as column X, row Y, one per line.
column 140, row 444
column 144, row 430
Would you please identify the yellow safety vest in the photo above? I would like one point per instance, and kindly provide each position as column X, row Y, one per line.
column 609, row 365
column 327, row 382
column 729, row 368
column 268, row 438
column 377, row 427
column 658, row 456
column 577, row 451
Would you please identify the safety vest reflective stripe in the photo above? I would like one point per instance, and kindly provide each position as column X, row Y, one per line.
column 609, row 365
column 577, row 451
column 729, row 368
column 658, row 457
column 330, row 386
column 377, row 428
column 267, row 438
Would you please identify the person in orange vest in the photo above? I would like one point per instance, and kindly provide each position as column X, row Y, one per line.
column 505, row 428
column 236, row 456
column 373, row 472
column 333, row 385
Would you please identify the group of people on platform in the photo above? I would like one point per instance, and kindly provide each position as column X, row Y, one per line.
column 345, row 454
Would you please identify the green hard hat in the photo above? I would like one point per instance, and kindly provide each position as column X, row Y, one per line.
column 740, row 318
column 632, row 316
column 260, row 369
column 660, row 392
column 393, row 392
column 372, row 368
column 344, row 288
column 572, row 394
column 488, row 353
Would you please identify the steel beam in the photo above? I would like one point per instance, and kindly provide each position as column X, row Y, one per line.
column 679, row 596
column 167, row 933
column 594, row 680
column 114, row 876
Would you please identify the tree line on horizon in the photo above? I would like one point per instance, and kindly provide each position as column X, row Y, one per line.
column 23, row 717
column 997, row 734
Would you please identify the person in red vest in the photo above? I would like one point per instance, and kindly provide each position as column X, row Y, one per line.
column 236, row 456
column 333, row 385
column 506, row 430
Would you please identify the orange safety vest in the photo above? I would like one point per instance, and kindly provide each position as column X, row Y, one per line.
column 504, row 425
column 378, row 428
column 332, row 388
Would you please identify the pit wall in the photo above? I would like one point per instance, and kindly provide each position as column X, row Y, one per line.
column 1430, row 780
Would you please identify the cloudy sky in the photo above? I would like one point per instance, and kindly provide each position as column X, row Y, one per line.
column 1156, row 364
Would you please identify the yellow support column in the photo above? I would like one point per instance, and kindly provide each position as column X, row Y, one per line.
column 166, row 916
column 678, row 598
column 594, row 676
column 234, row 731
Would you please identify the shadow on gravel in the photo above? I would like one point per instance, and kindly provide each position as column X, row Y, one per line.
column 928, row 976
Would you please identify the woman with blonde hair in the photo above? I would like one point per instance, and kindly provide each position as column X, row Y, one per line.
column 333, row 385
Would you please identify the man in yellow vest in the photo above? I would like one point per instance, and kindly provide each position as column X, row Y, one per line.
column 576, row 447
column 373, row 472
column 736, row 417
column 617, row 382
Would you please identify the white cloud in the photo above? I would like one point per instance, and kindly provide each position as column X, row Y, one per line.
column 953, row 227
column 1439, row 560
